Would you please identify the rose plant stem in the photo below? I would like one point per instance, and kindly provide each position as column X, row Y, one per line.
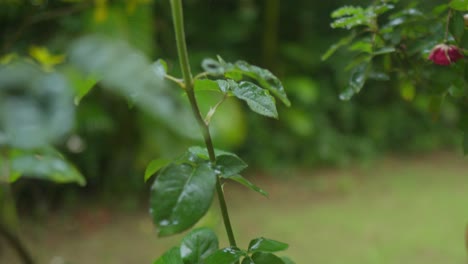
column 178, row 20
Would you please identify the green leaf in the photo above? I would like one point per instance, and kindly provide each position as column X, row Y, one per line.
column 347, row 11
column 247, row 183
column 181, row 195
column 460, row 5
column 457, row 26
column 227, row 163
column 258, row 99
column 226, row 86
column 348, row 22
column 361, row 46
column 382, row 8
column 262, row 244
column 342, row 42
column 457, row 91
column 266, row 258
column 247, row 260
column 287, row 260
column 265, row 78
column 356, row 81
column 154, row 166
column 46, row 165
column 229, row 255
column 198, row 245
column 206, row 85
column 384, row 50
column 347, row 94
column 242, row 69
column 171, row 256
column 230, row 164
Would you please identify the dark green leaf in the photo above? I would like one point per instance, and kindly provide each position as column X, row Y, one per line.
column 379, row 76
column 457, row 91
column 342, row 42
column 230, row 164
column 171, row 256
column 198, row 245
column 247, row 260
column 384, row 50
column 258, row 99
column 247, row 183
column 457, row 26
column 262, row 244
column 347, row 94
column 356, row 81
column 225, row 256
column 181, row 195
column 227, row 163
column 154, row 166
column 47, row 165
column 460, row 5
column 263, row 77
column 266, row 258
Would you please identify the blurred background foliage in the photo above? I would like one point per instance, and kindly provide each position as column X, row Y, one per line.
column 112, row 140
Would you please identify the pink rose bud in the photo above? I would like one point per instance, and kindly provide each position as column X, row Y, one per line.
column 444, row 54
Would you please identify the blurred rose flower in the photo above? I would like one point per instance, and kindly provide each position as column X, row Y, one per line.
column 444, row 54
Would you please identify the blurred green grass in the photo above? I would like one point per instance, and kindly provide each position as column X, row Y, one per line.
column 399, row 211
column 405, row 210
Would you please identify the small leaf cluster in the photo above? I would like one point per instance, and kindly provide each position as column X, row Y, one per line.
column 390, row 42
column 201, row 246
column 252, row 84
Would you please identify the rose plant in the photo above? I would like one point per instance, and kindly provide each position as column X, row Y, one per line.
column 390, row 44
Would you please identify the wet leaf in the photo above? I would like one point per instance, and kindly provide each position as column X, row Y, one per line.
column 247, row 183
column 198, row 245
column 171, row 256
column 181, row 195
column 262, row 244
column 258, row 99
column 266, row 258
column 227, row 255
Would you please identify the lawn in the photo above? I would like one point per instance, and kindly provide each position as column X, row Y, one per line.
column 396, row 211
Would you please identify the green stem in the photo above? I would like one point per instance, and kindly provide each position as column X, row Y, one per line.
column 16, row 243
column 177, row 17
